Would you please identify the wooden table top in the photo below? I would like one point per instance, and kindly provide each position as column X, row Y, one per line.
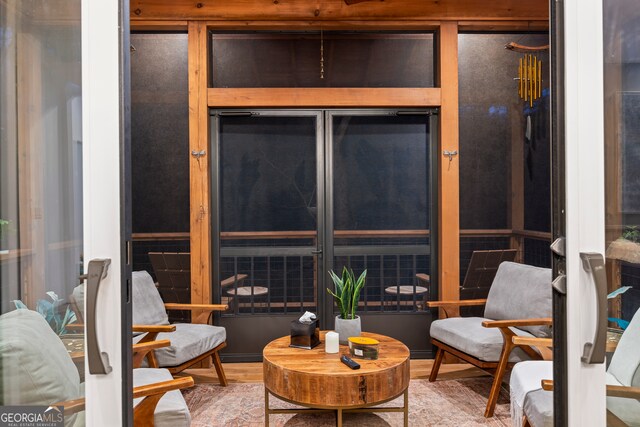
column 318, row 379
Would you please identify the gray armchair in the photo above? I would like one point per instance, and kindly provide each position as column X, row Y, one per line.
column 190, row 342
column 518, row 304
column 531, row 386
column 35, row 369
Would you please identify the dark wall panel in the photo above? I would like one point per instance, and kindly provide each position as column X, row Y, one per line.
column 491, row 116
column 160, row 132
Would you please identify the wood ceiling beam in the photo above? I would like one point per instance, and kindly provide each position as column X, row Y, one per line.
column 323, row 97
column 332, row 10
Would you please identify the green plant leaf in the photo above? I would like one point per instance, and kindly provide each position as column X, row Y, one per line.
column 356, row 292
column 20, row 305
column 347, row 291
column 339, row 302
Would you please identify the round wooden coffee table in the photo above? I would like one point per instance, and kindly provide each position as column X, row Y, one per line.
column 318, row 380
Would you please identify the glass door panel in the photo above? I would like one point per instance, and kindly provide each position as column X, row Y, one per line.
column 268, row 259
column 622, row 198
column 380, row 200
column 41, row 208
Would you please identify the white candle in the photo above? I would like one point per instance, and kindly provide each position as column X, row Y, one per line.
column 331, row 342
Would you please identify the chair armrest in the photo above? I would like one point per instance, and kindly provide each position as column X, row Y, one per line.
column 153, row 328
column 77, row 357
column 423, row 277
column 71, row 406
column 543, row 345
column 75, row 327
column 203, row 307
column 162, row 387
column 461, row 303
column 145, row 349
column 612, row 390
column 623, row 391
column 151, row 345
column 533, row 341
column 517, row 322
column 231, row 280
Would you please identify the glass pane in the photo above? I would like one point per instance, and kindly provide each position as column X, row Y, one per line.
column 41, row 353
column 160, row 133
column 622, row 196
column 268, row 213
column 160, row 156
column 504, row 155
column 381, row 207
column 349, row 60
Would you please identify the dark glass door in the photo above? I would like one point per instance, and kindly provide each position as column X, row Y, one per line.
column 379, row 216
column 267, row 254
column 297, row 193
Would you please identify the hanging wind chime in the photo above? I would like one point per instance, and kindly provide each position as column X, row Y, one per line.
column 529, row 72
column 321, row 54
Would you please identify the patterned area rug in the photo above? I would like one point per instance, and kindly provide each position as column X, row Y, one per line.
column 458, row 403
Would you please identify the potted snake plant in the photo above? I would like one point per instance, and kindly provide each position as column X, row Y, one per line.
column 347, row 295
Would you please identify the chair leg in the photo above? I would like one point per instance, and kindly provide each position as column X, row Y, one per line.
column 497, row 379
column 436, row 365
column 215, row 357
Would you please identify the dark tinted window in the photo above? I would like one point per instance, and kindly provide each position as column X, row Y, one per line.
column 350, row 60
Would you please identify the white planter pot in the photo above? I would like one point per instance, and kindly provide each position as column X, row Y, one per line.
column 347, row 328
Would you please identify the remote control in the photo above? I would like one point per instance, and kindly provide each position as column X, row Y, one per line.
column 350, row 362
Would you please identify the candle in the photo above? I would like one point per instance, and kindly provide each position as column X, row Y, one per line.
column 331, row 342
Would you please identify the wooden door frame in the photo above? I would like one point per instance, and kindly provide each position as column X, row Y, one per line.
column 445, row 97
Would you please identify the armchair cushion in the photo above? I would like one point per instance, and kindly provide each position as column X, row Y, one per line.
column 469, row 336
column 625, row 363
column 34, row 365
column 172, row 410
column 521, row 291
column 187, row 342
column 525, row 378
column 148, row 307
column 539, row 408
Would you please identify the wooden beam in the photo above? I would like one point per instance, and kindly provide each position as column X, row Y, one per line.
column 516, row 196
column 31, row 170
column 139, row 23
column 504, row 25
column 151, row 25
column 449, row 186
column 200, row 191
column 331, row 10
column 323, row 97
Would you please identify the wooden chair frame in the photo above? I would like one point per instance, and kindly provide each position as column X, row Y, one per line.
column 201, row 313
column 626, row 392
column 151, row 393
column 496, row 369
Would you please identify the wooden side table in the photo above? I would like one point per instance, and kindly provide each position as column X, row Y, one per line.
column 320, row 382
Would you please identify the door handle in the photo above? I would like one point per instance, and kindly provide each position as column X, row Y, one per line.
column 593, row 263
column 317, row 252
column 98, row 360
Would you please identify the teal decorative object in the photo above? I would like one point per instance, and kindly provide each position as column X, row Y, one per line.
column 52, row 312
